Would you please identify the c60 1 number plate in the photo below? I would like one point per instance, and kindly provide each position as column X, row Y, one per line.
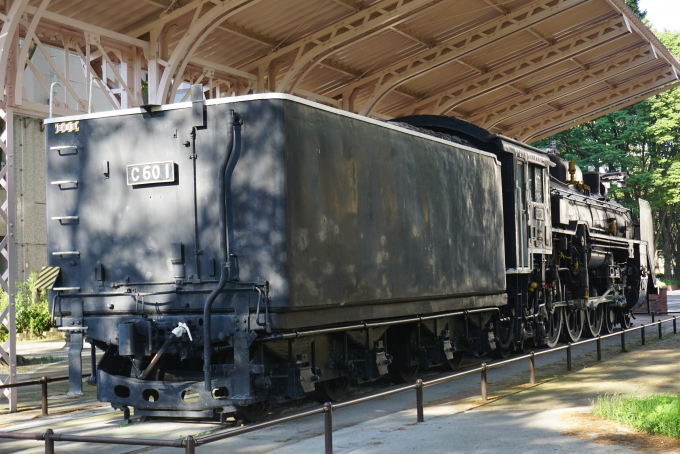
column 151, row 173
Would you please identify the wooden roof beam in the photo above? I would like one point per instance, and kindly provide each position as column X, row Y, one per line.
column 476, row 68
column 456, row 48
column 515, row 70
column 339, row 67
column 376, row 17
column 415, row 37
column 591, row 103
column 488, row 117
column 248, row 34
column 518, row 89
column 500, row 8
column 184, row 51
column 346, row 70
column 545, row 39
column 579, row 64
column 145, row 25
column 599, row 113
column 86, row 27
column 349, row 4
column 158, row 3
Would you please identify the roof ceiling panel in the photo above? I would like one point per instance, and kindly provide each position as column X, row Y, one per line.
column 525, row 67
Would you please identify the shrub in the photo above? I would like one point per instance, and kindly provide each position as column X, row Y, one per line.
column 32, row 308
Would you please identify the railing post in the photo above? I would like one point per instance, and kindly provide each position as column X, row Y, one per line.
column 675, row 326
column 599, row 348
column 623, row 340
column 419, row 400
column 653, row 316
column 43, row 385
column 190, row 445
column 484, row 395
column 532, row 369
column 642, row 334
column 49, row 442
column 328, row 427
column 569, row 357
column 660, row 332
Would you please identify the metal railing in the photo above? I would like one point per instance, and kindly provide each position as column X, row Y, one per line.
column 189, row 443
column 43, row 381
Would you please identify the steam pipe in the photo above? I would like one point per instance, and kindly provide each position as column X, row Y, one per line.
column 224, row 250
column 145, row 373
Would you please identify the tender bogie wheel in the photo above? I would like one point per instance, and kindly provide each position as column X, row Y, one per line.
column 332, row 390
column 253, row 412
column 573, row 325
column 609, row 320
column 594, row 321
column 404, row 374
column 457, row 361
column 553, row 327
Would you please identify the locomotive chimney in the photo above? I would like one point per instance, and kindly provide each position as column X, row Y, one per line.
column 592, row 179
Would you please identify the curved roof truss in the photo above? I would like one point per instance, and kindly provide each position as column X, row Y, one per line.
column 524, row 68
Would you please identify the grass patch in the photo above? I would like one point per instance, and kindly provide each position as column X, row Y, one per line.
column 657, row 414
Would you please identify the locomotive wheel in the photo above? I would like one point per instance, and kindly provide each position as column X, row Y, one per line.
column 553, row 328
column 253, row 412
column 332, row 390
column 404, row 374
column 625, row 320
column 457, row 361
column 609, row 320
column 595, row 320
column 573, row 325
column 502, row 353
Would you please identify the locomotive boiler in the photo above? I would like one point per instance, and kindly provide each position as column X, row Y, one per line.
column 231, row 254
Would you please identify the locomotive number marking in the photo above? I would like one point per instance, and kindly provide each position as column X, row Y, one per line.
column 151, row 173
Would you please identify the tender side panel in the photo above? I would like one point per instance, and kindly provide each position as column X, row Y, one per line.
column 380, row 216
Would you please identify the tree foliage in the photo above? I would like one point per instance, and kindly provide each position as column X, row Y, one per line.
column 644, row 141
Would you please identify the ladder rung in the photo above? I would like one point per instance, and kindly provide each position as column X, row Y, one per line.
column 65, row 218
column 64, row 147
column 66, row 289
column 60, row 253
column 59, row 183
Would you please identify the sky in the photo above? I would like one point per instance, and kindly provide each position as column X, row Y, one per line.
column 663, row 14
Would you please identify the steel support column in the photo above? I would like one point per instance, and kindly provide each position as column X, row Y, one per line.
column 8, row 250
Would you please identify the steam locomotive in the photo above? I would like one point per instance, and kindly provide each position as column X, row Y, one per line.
column 231, row 254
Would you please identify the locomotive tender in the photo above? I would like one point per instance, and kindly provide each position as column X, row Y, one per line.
column 235, row 253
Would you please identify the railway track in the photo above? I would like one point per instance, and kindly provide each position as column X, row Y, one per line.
column 107, row 422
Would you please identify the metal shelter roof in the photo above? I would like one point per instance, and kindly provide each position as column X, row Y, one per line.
column 523, row 68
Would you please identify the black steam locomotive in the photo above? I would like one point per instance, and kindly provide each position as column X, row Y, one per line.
column 236, row 253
